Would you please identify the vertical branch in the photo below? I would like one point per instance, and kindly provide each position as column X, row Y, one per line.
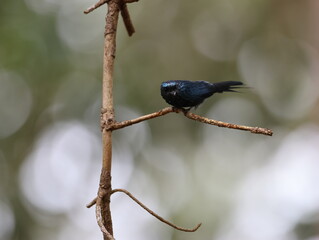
column 107, row 118
column 103, row 212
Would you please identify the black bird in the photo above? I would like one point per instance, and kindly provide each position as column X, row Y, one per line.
column 188, row 94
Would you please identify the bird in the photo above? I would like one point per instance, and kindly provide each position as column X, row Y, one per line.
column 185, row 94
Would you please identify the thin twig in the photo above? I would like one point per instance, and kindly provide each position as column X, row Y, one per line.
column 127, row 20
column 91, row 204
column 95, row 6
column 154, row 214
column 119, row 125
column 256, row 130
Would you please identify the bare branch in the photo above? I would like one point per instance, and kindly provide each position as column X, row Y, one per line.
column 256, row 130
column 119, row 125
column 91, row 204
column 103, row 211
column 124, row 12
column 95, row 6
column 127, row 20
column 154, row 214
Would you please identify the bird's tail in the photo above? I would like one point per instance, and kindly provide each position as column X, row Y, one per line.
column 227, row 86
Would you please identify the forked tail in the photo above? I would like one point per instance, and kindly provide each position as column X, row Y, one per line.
column 227, row 86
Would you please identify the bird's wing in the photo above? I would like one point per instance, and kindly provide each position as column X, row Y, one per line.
column 196, row 91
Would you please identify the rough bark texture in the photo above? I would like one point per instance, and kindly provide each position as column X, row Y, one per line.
column 105, row 189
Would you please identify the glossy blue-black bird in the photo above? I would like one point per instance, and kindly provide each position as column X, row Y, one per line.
column 188, row 94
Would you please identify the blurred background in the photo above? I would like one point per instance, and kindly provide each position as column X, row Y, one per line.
column 239, row 185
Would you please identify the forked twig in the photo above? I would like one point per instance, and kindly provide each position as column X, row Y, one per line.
column 124, row 12
column 149, row 211
column 154, row 214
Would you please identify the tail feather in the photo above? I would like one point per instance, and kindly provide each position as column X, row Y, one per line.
column 227, row 86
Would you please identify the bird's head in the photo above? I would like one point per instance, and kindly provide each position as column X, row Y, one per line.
column 169, row 88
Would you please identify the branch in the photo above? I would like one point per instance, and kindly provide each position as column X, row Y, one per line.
column 154, row 214
column 127, row 20
column 95, row 6
column 92, row 203
column 119, row 125
column 256, row 130
column 124, row 12
column 103, row 212
column 149, row 211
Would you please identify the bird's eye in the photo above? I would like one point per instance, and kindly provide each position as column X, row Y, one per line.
column 171, row 88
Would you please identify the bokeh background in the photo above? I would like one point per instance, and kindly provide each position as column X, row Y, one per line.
column 239, row 185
